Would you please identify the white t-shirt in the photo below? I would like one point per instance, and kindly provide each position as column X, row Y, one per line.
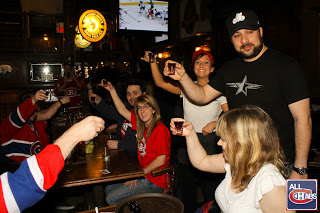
column 247, row 201
column 200, row 116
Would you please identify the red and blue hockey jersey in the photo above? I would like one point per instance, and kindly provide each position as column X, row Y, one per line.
column 72, row 91
column 19, row 140
column 25, row 187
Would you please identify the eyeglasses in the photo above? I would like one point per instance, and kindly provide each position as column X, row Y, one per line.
column 142, row 107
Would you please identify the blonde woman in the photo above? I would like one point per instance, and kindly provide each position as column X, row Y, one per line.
column 252, row 160
column 153, row 140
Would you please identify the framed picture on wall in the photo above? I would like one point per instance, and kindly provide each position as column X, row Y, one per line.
column 45, row 72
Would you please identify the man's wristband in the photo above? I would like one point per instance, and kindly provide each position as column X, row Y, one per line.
column 60, row 102
column 300, row 170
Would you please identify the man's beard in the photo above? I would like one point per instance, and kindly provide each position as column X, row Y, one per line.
column 255, row 52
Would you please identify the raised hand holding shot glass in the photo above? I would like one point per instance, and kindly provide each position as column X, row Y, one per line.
column 178, row 73
column 93, row 99
column 104, row 82
column 151, row 57
column 178, row 126
column 172, row 68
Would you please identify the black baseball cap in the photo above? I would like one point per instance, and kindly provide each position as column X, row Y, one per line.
column 242, row 19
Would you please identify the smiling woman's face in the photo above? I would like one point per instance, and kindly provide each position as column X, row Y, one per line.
column 145, row 112
column 203, row 66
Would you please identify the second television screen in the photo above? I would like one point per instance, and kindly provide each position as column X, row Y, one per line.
column 143, row 15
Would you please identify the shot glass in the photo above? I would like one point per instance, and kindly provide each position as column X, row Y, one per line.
column 179, row 126
column 93, row 99
column 172, row 68
column 105, row 82
column 106, row 155
column 81, row 146
column 68, row 165
column 151, row 57
column 48, row 96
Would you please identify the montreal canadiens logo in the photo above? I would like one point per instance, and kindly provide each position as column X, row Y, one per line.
column 35, row 148
column 302, row 196
column 71, row 92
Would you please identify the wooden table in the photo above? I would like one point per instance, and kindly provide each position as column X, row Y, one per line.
column 88, row 171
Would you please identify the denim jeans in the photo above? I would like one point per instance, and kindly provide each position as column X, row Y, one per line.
column 119, row 191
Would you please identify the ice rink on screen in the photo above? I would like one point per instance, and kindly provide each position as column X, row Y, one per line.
column 132, row 19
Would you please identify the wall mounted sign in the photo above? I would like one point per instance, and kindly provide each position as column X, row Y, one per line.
column 79, row 40
column 92, row 25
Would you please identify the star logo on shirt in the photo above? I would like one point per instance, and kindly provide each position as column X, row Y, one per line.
column 244, row 86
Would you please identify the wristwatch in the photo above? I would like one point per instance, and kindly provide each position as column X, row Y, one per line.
column 301, row 170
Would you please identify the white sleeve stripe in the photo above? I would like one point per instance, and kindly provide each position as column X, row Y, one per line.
column 36, row 172
column 9, row 199
column 21, row 118
column 18, row 141
column 18, row 155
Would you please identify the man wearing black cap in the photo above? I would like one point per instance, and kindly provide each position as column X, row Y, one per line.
column 262, row 77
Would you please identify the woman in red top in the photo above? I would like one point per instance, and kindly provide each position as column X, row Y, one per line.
column 154, row 141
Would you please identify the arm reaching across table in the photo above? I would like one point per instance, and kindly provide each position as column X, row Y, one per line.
column 29, row 183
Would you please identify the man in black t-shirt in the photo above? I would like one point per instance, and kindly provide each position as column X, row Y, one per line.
column 262, row 77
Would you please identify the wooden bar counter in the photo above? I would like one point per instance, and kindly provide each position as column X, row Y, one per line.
column 88, row 170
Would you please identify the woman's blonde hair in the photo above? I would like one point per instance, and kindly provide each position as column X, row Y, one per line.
column 252, row 142
column 141, row 127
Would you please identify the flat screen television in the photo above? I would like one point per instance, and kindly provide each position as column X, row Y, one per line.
column 143, row 15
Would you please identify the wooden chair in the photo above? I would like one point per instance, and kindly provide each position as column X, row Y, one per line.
column 101, row 209
column 169, row 170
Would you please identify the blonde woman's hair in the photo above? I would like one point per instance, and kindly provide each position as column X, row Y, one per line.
column 252, row 142
column 141, row 127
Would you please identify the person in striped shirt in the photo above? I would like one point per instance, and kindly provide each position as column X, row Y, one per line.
column 36, row 174
column 23, row 132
